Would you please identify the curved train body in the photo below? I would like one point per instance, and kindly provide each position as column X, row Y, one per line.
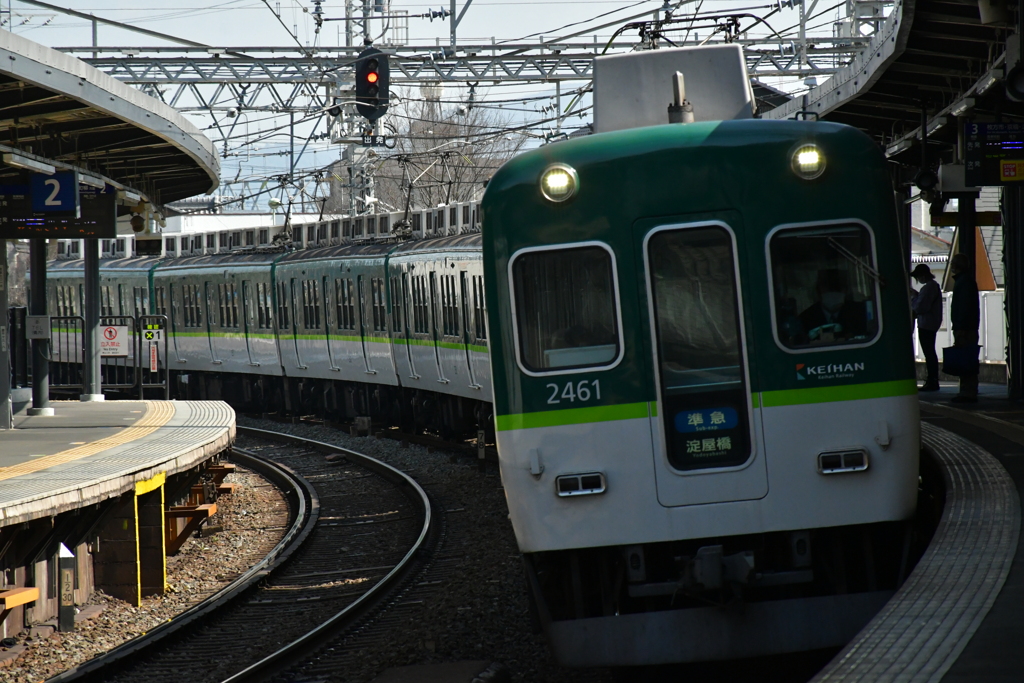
column 699, row 372
column 704, row 390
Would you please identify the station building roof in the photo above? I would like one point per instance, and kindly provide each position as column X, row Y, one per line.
column 58, row 108
column 935, row 54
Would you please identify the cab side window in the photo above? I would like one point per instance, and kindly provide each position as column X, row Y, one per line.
column 824, row 285
column 565, row 306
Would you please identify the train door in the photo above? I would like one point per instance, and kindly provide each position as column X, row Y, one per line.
column 328, row 311
column 361, row 291
column 174, row 317
column 293, row 296
column 706, row 432
column 406, row 329
column 466, row 323
column 435, row 334
column 248, row 318
column 211, row 320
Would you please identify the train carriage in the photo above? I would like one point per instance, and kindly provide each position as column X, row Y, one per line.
column 704, row 388
column 440, row 332
column 338, row 327
column 220, row 315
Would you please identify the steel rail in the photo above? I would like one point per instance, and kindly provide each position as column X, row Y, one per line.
column 269, row 666
column 304, row 507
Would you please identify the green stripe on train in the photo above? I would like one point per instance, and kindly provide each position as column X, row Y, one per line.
column 572, row 416
column 849, row 392
column 767, row 399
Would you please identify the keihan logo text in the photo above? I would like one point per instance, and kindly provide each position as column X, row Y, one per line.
column 829, row 371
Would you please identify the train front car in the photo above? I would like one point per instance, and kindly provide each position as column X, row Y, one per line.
column 704, row 389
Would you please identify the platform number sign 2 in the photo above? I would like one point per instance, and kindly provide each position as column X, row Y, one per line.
column 56, row 193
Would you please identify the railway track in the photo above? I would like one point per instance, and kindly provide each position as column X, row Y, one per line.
column 359, row 529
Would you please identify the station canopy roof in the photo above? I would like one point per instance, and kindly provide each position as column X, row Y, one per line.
column 55, row 108
column 930, row 54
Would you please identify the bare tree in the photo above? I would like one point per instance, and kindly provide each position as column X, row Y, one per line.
column 444, row 153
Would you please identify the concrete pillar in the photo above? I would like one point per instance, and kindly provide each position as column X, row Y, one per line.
column 131, row 562
column 40, row 347
column 152, row 554
column 116, row 565
column 92, row 379
column 5, row 351
column 1013, row 279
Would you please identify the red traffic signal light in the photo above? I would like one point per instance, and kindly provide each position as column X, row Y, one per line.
column 372, row 71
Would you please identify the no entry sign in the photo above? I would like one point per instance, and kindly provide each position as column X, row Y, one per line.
column 114, row 341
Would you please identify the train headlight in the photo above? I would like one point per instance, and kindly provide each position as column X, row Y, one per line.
column 559, row 182
column 808, row 162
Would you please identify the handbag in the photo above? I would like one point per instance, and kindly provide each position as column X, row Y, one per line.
column 960, row 360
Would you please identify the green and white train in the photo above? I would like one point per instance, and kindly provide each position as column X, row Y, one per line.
column 699, row 374
column 391, row 331
column 703, row 387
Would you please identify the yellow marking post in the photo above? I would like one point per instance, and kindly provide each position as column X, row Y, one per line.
column 153, row 484
column 158, row 413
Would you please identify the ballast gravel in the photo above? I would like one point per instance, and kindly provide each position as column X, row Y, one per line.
column 482, row 612
column 253, row 518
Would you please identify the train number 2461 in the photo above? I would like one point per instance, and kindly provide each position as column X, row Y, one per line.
column 575, row 391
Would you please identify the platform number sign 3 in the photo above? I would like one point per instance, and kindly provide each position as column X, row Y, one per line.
column 57, row 193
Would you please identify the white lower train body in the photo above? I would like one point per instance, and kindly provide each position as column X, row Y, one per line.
column 622, row 578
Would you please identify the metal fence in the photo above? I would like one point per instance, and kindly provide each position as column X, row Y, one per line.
column 134, row 353
column 67, row 338
column 119, row 372
column 152, row 354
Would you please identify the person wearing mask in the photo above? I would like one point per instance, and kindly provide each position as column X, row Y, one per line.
column 833, row 316
column 927, row 305
column 964, row 318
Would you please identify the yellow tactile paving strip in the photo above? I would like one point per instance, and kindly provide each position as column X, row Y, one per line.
column 158, row 413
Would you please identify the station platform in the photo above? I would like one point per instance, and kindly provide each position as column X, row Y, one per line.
column 958, row 617
column 89, row 452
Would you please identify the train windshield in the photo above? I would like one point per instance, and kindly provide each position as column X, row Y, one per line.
column 565, row 309
column 700, row 357
column 824, row 283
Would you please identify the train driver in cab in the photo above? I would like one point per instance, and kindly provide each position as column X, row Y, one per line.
column 834, row 315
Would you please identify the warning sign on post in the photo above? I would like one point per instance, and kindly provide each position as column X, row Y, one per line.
column 114, row 341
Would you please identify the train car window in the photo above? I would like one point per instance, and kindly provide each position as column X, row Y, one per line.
column 161, row 301
column 346, row 229
column 465, row 214
column 380, row 316
column 824, row 286
column 221, row 299
column 396, row 305
column 357, row 227
column 310, row 305
column 371, row 225
column 479, row 310
column 700, row 363
column 385, row 221
column 282, row 305
column 231, row 304
column 106, row 305
column 565, row 308
column 419, row 305
column 453, row 216
column 416, row 221
column 345, row 303
column 334, row 230
column 449, row 306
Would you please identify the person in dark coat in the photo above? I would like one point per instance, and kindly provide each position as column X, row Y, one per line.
column 833, row 316
column 964, row 318
column 927, row 305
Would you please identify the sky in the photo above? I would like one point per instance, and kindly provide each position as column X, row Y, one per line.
column 286, row 23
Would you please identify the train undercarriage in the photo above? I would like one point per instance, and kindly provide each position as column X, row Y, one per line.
column 725, row 598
